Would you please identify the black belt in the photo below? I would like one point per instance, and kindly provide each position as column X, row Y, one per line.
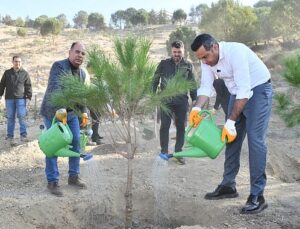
column 269, row 81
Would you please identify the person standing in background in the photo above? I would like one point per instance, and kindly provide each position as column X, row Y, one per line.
column 179, row 104
column 18, row 92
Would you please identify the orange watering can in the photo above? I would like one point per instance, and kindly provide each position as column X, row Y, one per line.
column 202, row 141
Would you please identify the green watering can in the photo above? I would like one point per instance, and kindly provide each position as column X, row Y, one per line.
column 202, row 141
column 55, row 142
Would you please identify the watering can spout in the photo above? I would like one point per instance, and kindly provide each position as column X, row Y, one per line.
column 191, row 152
column 65, row 152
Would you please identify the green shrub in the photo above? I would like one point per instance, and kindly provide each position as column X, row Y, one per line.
column 21, row 32
column 287, row 107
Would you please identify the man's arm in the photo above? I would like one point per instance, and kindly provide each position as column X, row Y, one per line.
column 201, row 101
column 27, row 87
column 2, row 84
column 238, row 107
column 191, row 77
column 156, row 78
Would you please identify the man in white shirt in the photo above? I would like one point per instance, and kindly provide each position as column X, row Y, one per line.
column 249, row 83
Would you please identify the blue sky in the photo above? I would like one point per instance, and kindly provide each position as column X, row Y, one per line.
column 52, row 8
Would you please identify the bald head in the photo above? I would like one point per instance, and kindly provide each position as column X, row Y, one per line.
column 77, row 54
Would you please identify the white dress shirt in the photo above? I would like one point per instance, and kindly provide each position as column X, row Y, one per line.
column 239, row 67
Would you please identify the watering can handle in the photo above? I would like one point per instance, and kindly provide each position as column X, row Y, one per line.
column 207, row 112
column 200, row 113
column 54, row 120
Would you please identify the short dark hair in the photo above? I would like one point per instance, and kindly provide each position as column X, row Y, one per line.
column 15, row 57
column 177, row 44
column 205, row 40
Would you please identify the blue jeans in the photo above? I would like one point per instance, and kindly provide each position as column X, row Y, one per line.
column 13, row 107
column 51, row 169
column 253, row 121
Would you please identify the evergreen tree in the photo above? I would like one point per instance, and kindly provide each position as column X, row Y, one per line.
column 288, row 106
column 124, row 82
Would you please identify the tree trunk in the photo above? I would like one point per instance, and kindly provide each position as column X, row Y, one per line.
column 128, row 193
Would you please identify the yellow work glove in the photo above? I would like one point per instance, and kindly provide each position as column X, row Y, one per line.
column 84, row 120
column 61, row 115
column 195, row 118
column 229, row 131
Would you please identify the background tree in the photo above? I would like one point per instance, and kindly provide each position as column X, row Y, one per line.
column 192, row 14
column 63, row 19
column 288, row 106
column 124, row 82
column 186, row 35
column 80, row 19
column 200, row 9
column 263, row 3
column 163, row 17
column 19, row 22
column 197, row 12
column 29, row 23
column 51, row 26
column 265, row 30
column 285, row 18
column 39, row 21
column 140, row 17
column 118, row 19
column 7, row 20
column 152, row 17
column 228, row 20
column 129, row 14
column 96, row 22
column 179, row 16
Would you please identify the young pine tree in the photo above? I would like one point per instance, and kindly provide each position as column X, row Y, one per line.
column 124, row 82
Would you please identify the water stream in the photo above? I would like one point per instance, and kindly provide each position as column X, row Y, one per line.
column 160, row 186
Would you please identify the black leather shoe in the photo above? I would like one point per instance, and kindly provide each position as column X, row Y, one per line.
column 222, row 192
column 254, row 205
column 97, row 141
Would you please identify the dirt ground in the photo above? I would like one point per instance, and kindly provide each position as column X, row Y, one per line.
column 165, row 195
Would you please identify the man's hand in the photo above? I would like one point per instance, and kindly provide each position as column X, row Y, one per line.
column 229, row 131
column 61, row 115
column 84, row 120
column 112, row 111
column 213, row 111
column 195, row 118
column 27, row 102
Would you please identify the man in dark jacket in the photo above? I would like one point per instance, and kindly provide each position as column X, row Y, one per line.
column 222, row 97
column 66, row 115
column 179, row 104
column 17, row 85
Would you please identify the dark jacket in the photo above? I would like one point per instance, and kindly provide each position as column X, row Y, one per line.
column 17, row 85
column 223, row 95
column 58, row 70
column 167, row 69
